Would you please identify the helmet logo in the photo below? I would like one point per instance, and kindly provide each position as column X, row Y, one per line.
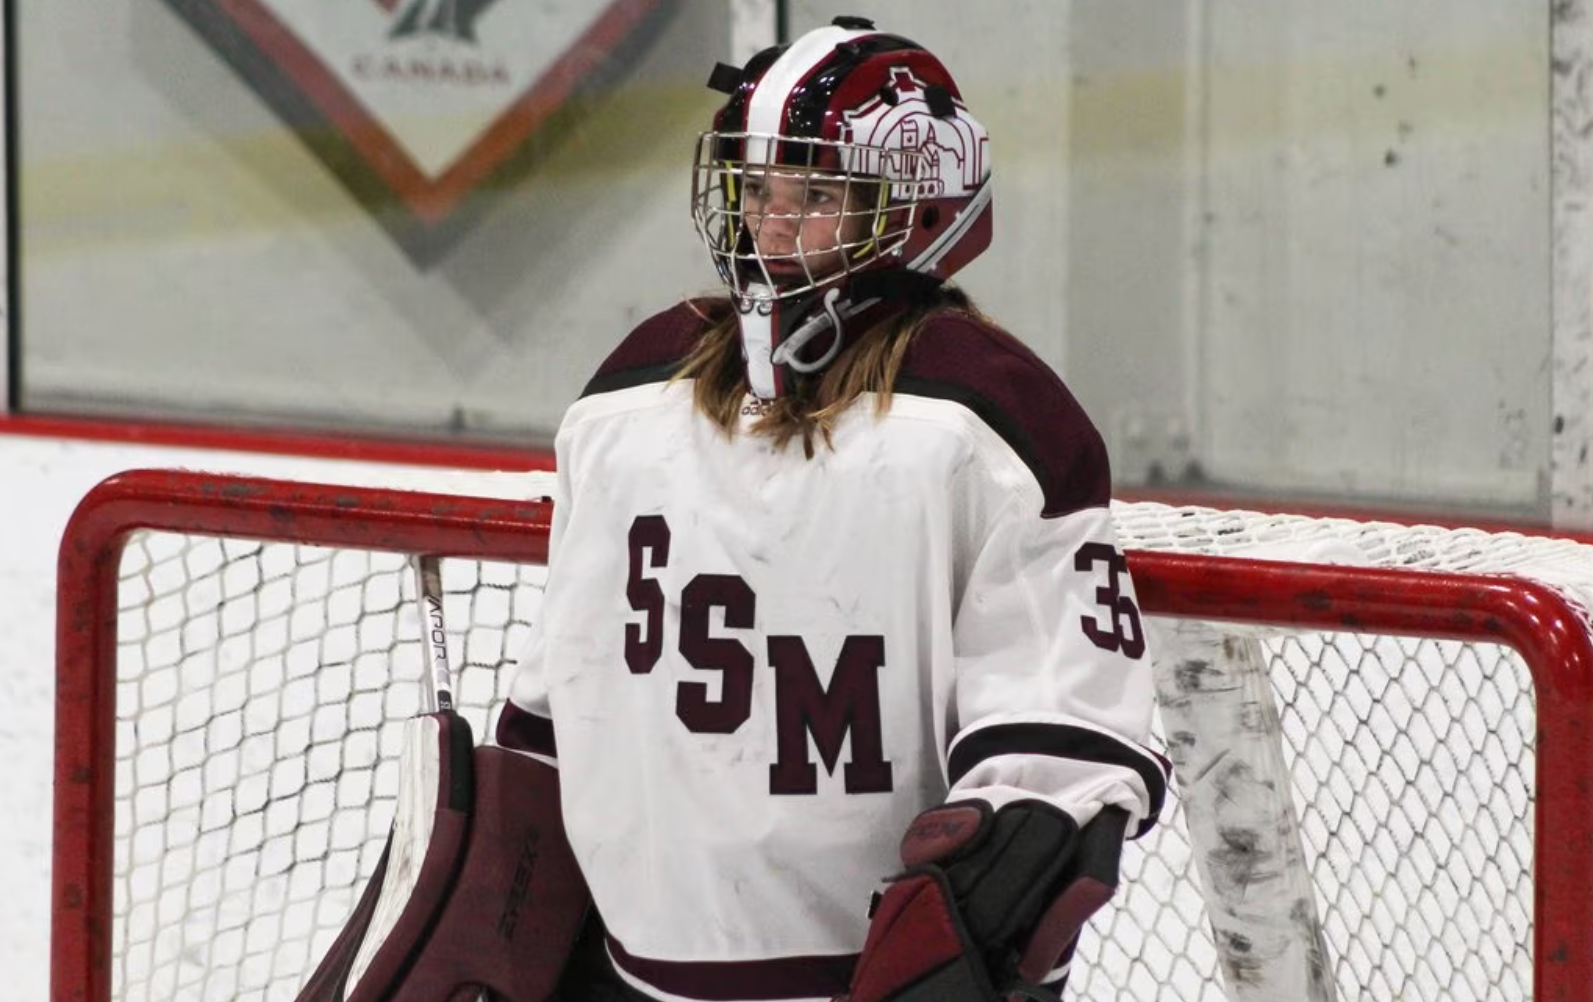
column 903, row 141
column 878, row 175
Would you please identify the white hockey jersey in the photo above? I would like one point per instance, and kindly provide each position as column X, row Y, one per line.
column 754, row 669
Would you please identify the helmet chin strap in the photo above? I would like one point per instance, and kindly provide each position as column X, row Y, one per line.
column 785, row 353
column 774, row 332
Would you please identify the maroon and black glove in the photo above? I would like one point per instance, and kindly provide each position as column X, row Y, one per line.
column 990, row 904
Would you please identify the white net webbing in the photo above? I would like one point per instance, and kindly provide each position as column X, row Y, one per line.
column 262, row 687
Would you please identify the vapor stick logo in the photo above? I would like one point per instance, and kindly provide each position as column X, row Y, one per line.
column 437, row 647
column 426, row 110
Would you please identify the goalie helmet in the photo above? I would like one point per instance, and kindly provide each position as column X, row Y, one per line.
column 863, row 133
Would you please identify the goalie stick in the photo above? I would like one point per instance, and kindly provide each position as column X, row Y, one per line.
column 413, row 830
column 477, row 895
column 429, row 600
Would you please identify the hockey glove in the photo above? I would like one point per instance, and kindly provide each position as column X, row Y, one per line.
column 990, row 905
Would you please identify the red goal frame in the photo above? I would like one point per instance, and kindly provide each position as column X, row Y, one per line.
column 1548, row 631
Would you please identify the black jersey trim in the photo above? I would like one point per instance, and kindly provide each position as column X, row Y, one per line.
column 524, row 731
column 655, row 351
column 1060, row 498
column 720, row 981
column 1064, row 741
column 625, row 379
column 987, row 410
column 968, row 361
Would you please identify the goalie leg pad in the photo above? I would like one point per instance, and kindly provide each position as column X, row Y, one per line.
column 498, row 900
column 519, row 901
column 414, row 876
column 326, row 984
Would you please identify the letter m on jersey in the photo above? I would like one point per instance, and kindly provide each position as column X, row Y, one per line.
column 850, row 705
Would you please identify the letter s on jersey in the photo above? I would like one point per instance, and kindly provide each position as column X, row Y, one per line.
column 644, row 644
column 804, row 707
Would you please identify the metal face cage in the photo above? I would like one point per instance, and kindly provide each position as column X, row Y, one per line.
column 782, row 217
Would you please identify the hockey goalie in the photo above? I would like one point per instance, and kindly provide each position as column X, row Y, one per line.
column 839, row 686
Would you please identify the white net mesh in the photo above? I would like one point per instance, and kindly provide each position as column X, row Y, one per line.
column 1410, row 763
column 262, row 694
column 261, row 690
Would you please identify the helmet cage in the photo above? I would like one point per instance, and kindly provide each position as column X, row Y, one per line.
column 872, row 193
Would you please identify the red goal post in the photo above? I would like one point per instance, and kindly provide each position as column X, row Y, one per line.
column 1547, row 629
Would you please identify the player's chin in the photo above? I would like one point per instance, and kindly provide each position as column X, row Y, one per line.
column 786, row 274
column 793, row 273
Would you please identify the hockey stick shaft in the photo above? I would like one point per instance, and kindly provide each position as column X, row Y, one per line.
column 387, row 897
column 438, row 693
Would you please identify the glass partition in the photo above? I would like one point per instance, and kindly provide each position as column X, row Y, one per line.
column 1278, row 249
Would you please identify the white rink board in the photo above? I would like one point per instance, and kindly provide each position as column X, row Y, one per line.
column 41, row 481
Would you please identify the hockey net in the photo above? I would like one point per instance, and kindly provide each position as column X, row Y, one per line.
column 1382, row 782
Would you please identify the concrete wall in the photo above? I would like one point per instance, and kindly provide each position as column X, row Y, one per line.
column 1373, row 311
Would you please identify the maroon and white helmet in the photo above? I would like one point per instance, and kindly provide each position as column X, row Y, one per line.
column 876, row 112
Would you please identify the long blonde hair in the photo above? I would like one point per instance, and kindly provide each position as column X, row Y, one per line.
column 812, row 406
